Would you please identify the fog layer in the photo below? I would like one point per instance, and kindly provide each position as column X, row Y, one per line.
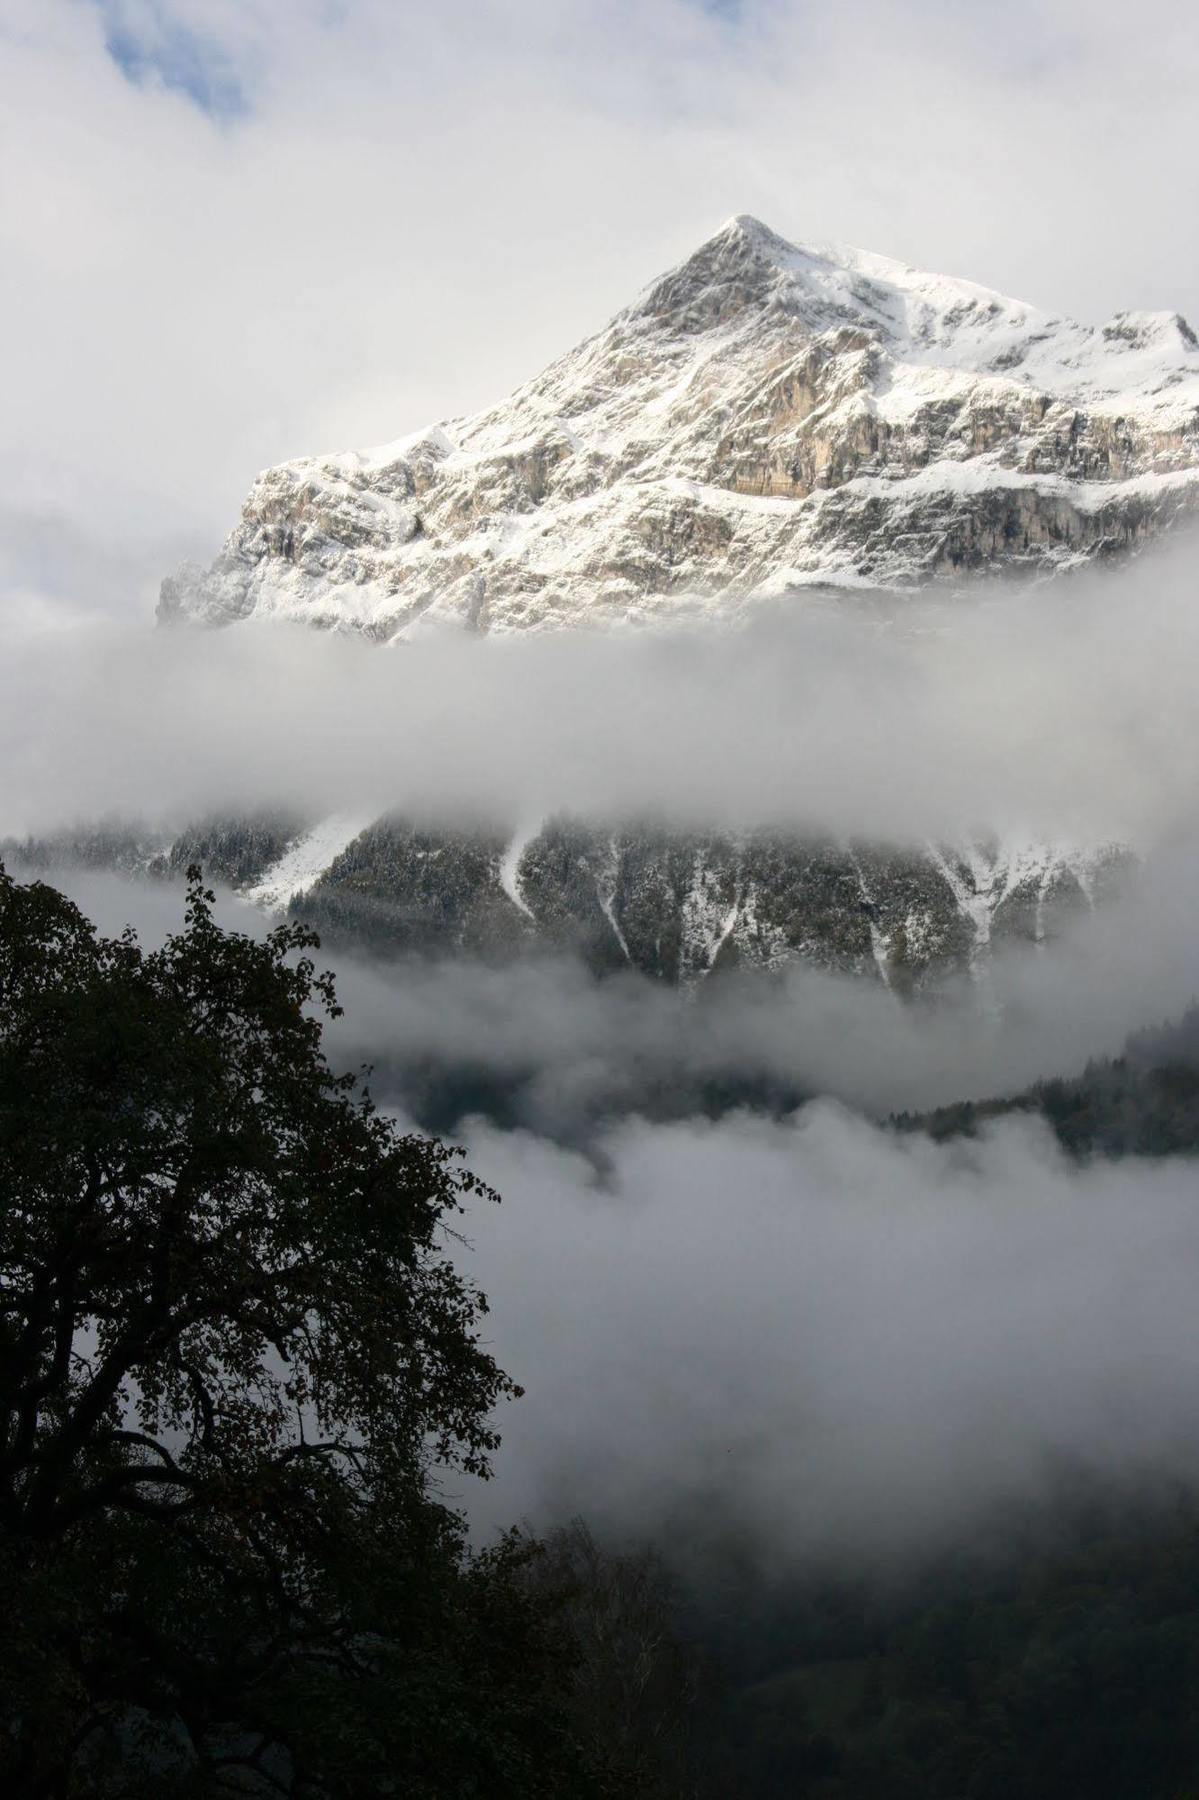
column 828, row 1339
column 1062, row 710
column 567, row 1049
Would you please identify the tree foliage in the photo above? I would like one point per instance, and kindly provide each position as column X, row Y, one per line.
column 233, row 1351
column 637, row 1691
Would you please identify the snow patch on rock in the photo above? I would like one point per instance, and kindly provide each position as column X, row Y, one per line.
column 305, row 860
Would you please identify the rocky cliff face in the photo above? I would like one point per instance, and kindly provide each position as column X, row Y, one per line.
column 677, row 906
column 766, row 418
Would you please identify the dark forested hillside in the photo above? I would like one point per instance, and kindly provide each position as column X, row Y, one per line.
column 1143, row 1103
column 1064, row 1666
column 1052, row 1655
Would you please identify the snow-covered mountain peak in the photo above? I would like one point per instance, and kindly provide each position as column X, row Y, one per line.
column 746, row 266
column 766, row 417
column 746, row 226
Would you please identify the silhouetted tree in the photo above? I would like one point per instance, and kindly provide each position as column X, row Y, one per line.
column 232, row 1349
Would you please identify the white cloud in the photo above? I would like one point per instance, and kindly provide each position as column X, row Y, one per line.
column 1064, row 712
column 836, row 1341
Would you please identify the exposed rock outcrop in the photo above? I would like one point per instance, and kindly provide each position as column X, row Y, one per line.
column 766, row 418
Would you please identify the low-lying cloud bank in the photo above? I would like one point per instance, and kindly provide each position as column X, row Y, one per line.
column 561, row 1050
column 826, row 1340
column 1063, row 710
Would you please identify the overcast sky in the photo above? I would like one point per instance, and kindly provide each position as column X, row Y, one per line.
column 240, row 230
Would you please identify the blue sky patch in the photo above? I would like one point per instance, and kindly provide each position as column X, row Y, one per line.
column 175, row 56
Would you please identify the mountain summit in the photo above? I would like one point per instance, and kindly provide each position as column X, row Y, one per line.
column 766, row 417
